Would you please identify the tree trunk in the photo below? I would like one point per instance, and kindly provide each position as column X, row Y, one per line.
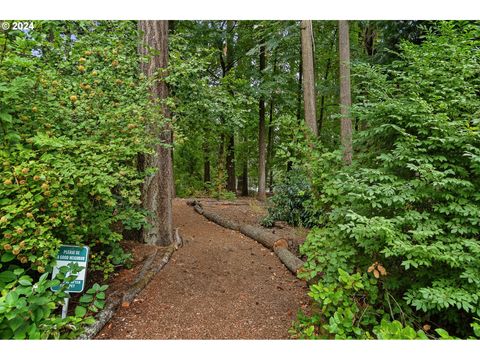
column 206, row 164
column 230, row 158
column 171, row 31
column 322, row 99
column 221, row 170
column 244, row 188
column 270, row 147
column 369, row 35
column 308, row 76
column 345, row 95
column 262, row 148
column 157, row 188
column 299, row 103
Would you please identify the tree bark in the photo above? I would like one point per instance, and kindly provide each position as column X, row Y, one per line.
column 308, row 76
column 157, row 189
column 220, row 168
column 230, row 158
column 206, row 164
column 299, row 103
column 270, row 147
column 262, row 148
column 244, row 187
column 345, row 94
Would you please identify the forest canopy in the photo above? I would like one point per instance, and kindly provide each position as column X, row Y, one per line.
column 364, row 132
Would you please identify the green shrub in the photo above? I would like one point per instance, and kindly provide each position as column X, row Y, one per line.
column 30, row 310
column 352, row 309
column 68, row 156
column 410, row 199
column 290, row 201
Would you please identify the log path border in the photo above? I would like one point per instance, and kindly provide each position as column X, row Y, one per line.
column 151, row 267
column 270, row 241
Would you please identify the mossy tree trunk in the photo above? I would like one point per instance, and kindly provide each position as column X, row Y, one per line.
column 157, row 190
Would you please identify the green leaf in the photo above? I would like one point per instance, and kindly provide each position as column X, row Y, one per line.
column 99, row 304
column 86, row 298
column 25, row 280
column 7, row 257
column 80, row 311
column 443, row 333
column 39, row 313
column 18, row 271
column 7, row 276
column 15, row 323
column 11, row 298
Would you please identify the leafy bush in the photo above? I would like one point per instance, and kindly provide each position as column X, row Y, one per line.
column 29, row 310
column 410, row 199
column 351, row 309
column 68, row 171
column 68, row 164
column 290, row 201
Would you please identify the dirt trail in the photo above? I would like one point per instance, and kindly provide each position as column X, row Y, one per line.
column 220, row 285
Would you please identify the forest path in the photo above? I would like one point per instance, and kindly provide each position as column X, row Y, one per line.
column 220, row 285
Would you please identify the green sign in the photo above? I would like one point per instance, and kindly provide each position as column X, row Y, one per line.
column 76, row 254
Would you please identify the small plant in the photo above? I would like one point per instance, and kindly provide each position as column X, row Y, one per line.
column 290, row 202
column 345, row 310
column 30, row 309
column 352, row 308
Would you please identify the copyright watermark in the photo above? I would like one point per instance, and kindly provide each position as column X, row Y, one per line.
column 17, row 25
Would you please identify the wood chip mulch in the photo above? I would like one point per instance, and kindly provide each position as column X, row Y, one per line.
column 219, row 285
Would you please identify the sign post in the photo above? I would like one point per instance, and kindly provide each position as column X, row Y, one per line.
column 66, row 255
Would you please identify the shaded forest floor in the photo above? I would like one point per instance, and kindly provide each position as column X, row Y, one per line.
column 219, row 285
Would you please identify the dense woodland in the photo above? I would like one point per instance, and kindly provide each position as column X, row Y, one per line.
column 365, row 132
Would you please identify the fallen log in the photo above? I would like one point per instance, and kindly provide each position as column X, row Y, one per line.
column 288, row 259
column 265, row 238
column 102, row 318
column 193, row 202
column 150, row 268
column 198, row 209
column 144, row 278
column 221, row 221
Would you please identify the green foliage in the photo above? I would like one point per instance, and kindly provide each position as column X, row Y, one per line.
column 29, row 309
column 351, row 309
column 345, row 310
column 410, row 199
column 74, row 114
column 394, row 330
column 289, row 203
column 68, row 162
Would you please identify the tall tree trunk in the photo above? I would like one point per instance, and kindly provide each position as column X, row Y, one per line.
column 322, row 98
column 230, row 161
column 345, row 95
column 270, row 147
column 244, row 187
column 262, row 147
column 157, row 188
column 171, row 31
column 369, row 35
column 308, row 76
column 325, row 80
column 299, row 102
column 230, row 158
column 206, row 163
column 270, row 131
column 221, row 169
